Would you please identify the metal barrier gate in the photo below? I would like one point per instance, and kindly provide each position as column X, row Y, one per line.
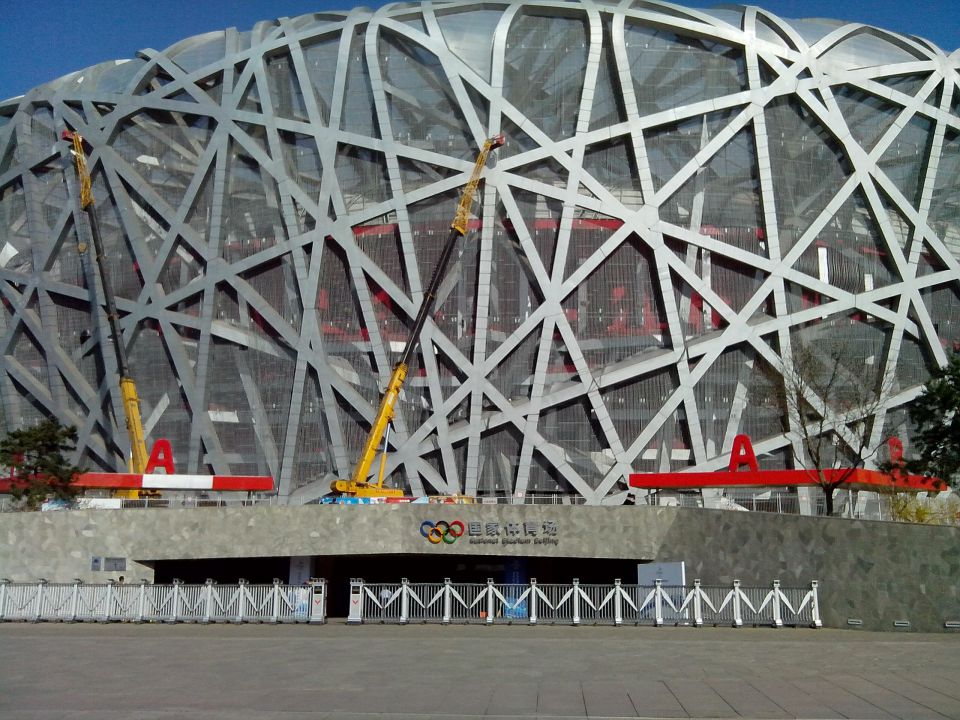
column 175, row 603
column 576, row 604
column 405, row 602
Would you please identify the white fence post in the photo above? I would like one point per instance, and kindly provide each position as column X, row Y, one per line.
column 355, row 613
column 737, row 611
column 658, row 603
column 142, row 601
column 617, row 604
column 697, row 604
column 208, row 601
column 318, row 600
column 3, row 598
column 275, row 617
column 575, row 599
column 175, row 605
column 777, row 609
column 108, row 601
column 241, row 600
column 814, row 605
column 75, row 600
column 404, row 601
column 38, row 609
column 447, row 602
column 490, row 601
column 532, row 615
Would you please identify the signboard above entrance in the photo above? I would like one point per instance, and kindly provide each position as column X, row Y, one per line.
column 447, row 532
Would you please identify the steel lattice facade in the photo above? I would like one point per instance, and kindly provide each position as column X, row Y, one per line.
column 683, row 194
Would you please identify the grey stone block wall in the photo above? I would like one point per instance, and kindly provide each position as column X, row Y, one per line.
column 873, row 571
column 877, row 572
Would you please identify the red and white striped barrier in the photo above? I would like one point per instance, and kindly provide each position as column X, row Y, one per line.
column 156, row 481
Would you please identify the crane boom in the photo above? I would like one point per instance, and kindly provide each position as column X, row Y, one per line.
column 358, row 484
column 128, row 390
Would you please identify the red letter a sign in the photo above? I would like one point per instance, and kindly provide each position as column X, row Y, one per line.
column 162, row 455
column 742, row 454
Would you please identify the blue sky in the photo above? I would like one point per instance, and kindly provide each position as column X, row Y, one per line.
column 41, row 41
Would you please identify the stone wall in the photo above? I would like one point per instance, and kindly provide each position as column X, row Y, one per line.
column 877, row 572
column 872, row 571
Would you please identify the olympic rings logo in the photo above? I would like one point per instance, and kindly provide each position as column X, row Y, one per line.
column 442, row 531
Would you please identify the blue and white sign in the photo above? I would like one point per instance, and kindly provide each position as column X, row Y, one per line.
column 671, row 574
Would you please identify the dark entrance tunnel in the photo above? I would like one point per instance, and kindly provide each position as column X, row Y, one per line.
column 339, row 569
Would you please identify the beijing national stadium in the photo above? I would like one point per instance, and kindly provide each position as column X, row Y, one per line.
column 685, row 199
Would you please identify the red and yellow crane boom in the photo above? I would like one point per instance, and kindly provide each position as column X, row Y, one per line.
column 128, row 390
column 358, row 485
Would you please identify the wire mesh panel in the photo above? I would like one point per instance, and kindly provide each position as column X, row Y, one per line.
column 510, row 603
column 674, row 597
column 641, row 608
column 467, row 603
column 425, row 603
column 709, row 604
column 724, row 600
column 795, row 607
column 157, row 603
column 93, row 602
column 225, row 603
column 292, row 603
column 657, row 605
column 124, row 602
column 597, row 603
column 20, row 602
column 755, row 610
column 57, row 602
column 382, row 602
column 258, row 602
column 554, row 603
column 189, row 603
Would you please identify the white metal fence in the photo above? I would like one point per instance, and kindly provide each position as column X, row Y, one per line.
column 576, row 604
column 861, row 505
column 175, row 603
column 855, row 504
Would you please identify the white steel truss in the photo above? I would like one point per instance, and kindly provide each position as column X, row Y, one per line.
column 683, row 193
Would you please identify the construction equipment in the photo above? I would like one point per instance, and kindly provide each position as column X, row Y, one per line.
column 128, row 390
column 358, row 485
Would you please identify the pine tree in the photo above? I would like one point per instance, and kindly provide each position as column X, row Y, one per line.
column 936, row 415
column 39, row 468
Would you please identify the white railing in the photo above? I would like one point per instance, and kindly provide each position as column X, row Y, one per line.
column 194, row 502
column 576, row 604
column 855, row 504
column 523, row 499
column 860, row 505
column 533, row 499
column 175, row 603
column 102, row 503
column 164, row 503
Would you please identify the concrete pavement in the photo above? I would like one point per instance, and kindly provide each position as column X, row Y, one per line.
column 215, row 672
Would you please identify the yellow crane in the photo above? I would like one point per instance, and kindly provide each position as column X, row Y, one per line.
column 128, row 390
column 358, row 485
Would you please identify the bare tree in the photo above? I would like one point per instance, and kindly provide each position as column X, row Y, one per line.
column 829, row 403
